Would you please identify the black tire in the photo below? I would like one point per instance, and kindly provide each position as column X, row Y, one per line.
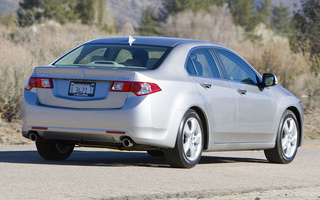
column 51, row 150
column 155, row 153
column 287, row 140
column 181, row 155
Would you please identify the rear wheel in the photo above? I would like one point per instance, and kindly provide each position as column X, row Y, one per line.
column 52, row 150
column 189, row 144
column 287, row 140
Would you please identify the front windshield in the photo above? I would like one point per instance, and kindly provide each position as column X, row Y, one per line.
column 122, row 56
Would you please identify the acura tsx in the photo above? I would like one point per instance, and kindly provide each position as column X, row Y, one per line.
column 167, row 96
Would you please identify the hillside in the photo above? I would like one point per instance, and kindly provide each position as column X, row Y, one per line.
column 8, row 6
column 123, row 10
column 131, row 9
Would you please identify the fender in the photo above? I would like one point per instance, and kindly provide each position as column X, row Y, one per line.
column 287, row 101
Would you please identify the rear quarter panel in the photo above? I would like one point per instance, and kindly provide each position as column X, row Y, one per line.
column 178, row 88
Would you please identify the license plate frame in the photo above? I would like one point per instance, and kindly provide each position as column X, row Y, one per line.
column 81, row 89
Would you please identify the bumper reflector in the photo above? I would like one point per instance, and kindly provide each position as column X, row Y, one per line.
column 39, row 128
column 116, row 132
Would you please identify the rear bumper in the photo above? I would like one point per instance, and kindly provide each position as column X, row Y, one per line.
column 147, row 120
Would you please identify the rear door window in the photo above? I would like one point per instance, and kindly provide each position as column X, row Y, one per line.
column 202, row 63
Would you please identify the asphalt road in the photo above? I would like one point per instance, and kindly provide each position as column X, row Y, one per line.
column 105, row 174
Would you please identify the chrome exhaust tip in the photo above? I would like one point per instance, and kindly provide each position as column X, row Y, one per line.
column 33, row 136
column 127, row 142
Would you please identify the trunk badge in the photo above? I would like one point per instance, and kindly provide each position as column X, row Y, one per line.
column 81, row 73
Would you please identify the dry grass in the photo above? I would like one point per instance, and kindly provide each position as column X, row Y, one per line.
column 216, row 26
column 22, row 49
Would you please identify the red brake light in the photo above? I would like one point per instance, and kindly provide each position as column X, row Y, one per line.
column 138, row 88
column 38, row 82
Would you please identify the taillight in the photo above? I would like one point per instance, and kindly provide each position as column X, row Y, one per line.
column 38, row 82
column 138, row 88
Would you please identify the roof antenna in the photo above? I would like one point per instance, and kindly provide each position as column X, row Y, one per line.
column 131, row 40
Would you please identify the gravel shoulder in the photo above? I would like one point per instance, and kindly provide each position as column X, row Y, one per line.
column 308, row 193
column 10, row 133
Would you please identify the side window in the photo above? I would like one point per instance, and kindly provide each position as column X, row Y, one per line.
column 190, row 67
column 204, row 63
column 236, row 69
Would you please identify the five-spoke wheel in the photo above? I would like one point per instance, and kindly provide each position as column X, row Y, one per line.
column 192, row 139
column 287, row 140
column 189, row 144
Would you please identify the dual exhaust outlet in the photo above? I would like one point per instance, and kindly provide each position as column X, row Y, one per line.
column 126, row 142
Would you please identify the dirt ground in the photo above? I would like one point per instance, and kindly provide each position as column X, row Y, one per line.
column 10, row 132
column 312, row 124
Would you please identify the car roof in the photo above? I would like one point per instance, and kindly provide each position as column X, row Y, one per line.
column 159, row 41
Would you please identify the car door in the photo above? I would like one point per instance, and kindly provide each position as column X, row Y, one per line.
column 218, row 94
column 256, row 106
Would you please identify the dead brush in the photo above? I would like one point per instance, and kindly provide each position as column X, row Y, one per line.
column 22, row 49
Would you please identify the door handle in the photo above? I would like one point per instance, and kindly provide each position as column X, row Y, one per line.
column 242, row 92
column 206, row 85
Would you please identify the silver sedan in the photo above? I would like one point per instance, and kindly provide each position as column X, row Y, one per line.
column 167, row 96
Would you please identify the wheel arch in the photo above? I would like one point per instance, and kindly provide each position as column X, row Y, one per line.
column 300, row 123
column 205, row 126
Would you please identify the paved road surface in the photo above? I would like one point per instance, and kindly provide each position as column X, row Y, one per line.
column 105, row 174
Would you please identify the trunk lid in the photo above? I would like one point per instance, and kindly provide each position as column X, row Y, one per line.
column 82, row 88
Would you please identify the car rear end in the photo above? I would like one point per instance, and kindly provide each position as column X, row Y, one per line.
column 103, row 101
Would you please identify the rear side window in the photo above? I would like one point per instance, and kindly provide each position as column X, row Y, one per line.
column 122, row 56
column 202, row 63
column 190, row 67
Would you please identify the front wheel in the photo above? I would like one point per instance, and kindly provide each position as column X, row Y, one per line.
column 189, row 143
column 287, row 140
column 51, row 150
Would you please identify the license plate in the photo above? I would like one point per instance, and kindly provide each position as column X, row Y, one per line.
column 81, row 89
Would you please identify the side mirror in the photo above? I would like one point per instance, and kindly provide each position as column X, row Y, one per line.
column 269, row 80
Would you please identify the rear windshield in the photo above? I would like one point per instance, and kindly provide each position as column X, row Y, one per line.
column 115, row 56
